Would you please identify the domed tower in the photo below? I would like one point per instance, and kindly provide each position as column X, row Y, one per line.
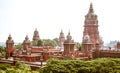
column 91, row 26
column 68, row 46
column 87, row 46
column 26, row 43
column 36, row 35
column 9, row 47
column 61, row 39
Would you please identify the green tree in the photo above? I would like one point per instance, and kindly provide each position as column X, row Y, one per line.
column 78, row 46
column 2, row 51
column 34, row 43
column 18, row 46
column 39, row 43
column 48, row 42
column 56, row 40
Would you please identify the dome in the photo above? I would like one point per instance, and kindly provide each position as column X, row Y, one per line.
column 86, row 39
column 36, row 33
column 9, row 39
column 26, row 39
column 69, row 37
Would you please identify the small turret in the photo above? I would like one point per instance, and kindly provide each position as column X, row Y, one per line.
column 26, row 43
column 9, row 47
column 68, row 46
column 91, row 9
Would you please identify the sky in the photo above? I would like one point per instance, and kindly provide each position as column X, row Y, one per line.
column 21, row 17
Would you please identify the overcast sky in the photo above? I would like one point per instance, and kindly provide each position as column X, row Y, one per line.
column 21, row 17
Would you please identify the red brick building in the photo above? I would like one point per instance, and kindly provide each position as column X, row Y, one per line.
column 91, row 27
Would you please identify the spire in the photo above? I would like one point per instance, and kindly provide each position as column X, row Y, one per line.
column 68, row 36
column 91, row 8
column 35, row 29
column 9, row 37
column 61, row 35
column 69, row 32
column 26, row 38
column 61, row 31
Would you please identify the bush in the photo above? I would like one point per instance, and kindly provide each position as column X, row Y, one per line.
column 22, row 66
column 100, row 65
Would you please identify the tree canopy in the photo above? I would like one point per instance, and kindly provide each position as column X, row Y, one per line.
column 44, row 42
column 2, row 51
column 100, row 65
column 48, row 42
column 18, row 46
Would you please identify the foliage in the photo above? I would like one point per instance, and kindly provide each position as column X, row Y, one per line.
column 48, row 42
column 34, row 43
column 39, row 43
column 101, row 65
column 56, row 40
column 18, row 46
column 45, row 42
column 78, row 46
column 2, row 51
column 20, row 67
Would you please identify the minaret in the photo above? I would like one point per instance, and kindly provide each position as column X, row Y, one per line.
column 26, row 46
column 61, row 39
column 36, row 35
column 26, row 43
column 91, row 26
column 68, row 46
column 9, row 47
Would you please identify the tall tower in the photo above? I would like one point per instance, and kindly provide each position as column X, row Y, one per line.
column 91, row 26
column 9, row 47
column 68, row 46
column 36, row 35
column 61, row 39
